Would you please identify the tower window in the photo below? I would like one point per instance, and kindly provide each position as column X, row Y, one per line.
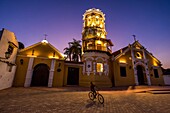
column 99, row 67
column 90, row 46
column 123, row 71
column 99, row 47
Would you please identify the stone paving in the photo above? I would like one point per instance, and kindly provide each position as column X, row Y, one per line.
column 58, row 100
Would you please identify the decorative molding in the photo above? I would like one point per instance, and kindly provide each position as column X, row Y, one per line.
column 92, row 54
column 89, row 58
column 100, row 58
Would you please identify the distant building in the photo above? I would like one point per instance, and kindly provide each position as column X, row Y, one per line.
column 166, row 75
column 43, row 65
column 8, row 44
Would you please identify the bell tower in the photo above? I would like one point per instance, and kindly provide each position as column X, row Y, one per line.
column 96, row 49
column 94, row 32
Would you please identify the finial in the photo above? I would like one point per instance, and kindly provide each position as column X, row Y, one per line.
column 45, row 36
column 45, row 40
column 134, row 36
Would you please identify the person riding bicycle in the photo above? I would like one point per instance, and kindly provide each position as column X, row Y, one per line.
column 92, row 87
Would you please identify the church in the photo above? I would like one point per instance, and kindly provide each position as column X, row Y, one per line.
column 41, row 64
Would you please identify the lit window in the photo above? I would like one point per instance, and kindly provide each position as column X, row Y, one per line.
column 90, row 46
column 99, row 67
column 99, row 47
column 138, row 55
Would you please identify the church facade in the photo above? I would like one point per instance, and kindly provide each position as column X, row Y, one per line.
column 43, row 65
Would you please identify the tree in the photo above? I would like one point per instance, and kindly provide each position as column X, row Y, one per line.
column 21, row 45
column 67, row 52
column 73, row 52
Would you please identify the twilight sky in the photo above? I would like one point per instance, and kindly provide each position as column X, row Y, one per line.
column 62, row 21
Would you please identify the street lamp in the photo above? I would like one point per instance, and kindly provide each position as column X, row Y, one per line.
column 7, row 55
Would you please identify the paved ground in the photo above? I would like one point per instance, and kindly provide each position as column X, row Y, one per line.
column 75, row 100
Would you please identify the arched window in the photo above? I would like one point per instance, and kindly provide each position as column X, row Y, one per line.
column 99, row 67
column 138, row 55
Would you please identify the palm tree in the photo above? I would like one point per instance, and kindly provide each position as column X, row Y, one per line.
column 74, row 50
column 67, row 52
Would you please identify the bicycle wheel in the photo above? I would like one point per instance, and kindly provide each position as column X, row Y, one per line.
column 91, row 96
column 100, row 98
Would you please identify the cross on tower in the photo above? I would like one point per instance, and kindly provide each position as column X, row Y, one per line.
column 45, row 36
column 134, row 36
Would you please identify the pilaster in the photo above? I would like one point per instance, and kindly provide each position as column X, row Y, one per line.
column 29, row 73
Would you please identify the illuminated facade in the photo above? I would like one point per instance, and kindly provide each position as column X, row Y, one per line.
column 43, row 65
column 96, row 49
column 134, row 65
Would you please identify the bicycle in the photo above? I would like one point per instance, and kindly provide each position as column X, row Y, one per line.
column 99, row 96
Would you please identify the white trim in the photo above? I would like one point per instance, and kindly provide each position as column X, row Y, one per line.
column 51, row 74
column 94, row 68
column 146, row 72
column 29, row 73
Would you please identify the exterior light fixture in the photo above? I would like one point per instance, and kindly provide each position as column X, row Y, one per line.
column 7, row 55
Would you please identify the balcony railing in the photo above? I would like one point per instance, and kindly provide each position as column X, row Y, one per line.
column 97, row 48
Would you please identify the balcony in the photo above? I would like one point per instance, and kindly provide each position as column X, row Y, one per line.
column 97, row 48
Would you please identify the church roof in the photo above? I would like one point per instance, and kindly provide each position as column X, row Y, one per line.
column 119, row 51
column 40, row 44
column 122, row 51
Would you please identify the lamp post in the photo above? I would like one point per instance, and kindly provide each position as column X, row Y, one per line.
column 7, row 55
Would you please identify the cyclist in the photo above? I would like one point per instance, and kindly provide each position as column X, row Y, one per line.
column 92, row 87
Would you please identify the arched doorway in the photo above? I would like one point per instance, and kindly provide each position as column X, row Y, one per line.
column 141, row 75
column 40, row 75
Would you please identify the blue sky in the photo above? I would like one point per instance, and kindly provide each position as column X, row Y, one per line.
column 62, row 21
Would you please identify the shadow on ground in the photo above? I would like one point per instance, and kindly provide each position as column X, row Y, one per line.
column 93, row 103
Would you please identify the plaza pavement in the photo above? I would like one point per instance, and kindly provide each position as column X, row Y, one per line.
column 75, row 100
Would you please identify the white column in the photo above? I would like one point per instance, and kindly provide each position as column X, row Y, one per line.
column 136, row 77
column 146, row 68
column 84, row 64
column 51, row 74
column 94, row 68
column 148, row 76
column 106, row 69
column 134, row 67
column 29, row 73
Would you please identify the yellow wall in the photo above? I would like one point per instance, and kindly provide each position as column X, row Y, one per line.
column 99, row 80
column 153, row 63
column 21, row 71
column 129, row 79
column 66, row 71
column 58, row 79
column 41, row 50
